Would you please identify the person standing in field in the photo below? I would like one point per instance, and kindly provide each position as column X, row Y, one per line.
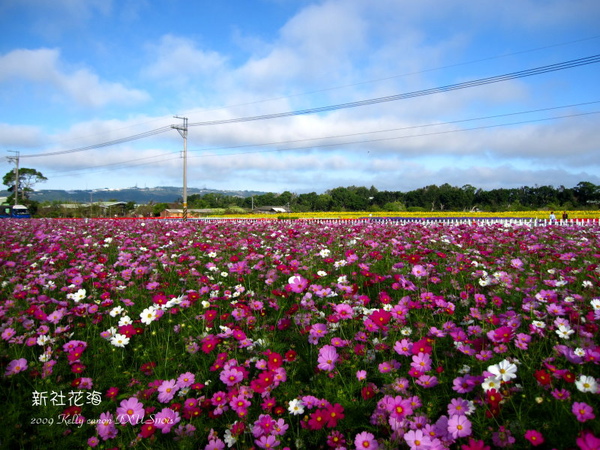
column 552, row 216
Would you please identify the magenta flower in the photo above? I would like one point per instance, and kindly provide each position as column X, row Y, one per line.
column 328, row 356
column 583, row 412
column 130, row 411
column 534, row 437
column 297, row 284
column 166, row 419
column 16, row 366
column 459, row 426
column 365, row 440
column 587, row 441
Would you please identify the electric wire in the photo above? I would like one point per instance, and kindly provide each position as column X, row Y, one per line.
column 452, row 122
column 451, row 87
column 365, row 141
column 468, row 84
column 104, row 144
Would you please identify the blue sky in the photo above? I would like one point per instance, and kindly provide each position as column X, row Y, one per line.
column 77, row 73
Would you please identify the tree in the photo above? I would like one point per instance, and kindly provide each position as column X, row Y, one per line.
column 27, row 178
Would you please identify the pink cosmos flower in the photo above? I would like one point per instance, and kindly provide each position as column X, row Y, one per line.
column 344, row 311
column 16, row 366
column 106, row 426
column 421, row 362
column 186, row 380
column 130, row 411
column 267, row 442
column 167, row 391
column 583, row 412
column 8, row 333
column 231, row 376
column 458, row 406
column 419, row 271
column 459, row 426
column 166, row 419
column 417, row 440
column 297, row 284
column 328, row 356
column 365, row 440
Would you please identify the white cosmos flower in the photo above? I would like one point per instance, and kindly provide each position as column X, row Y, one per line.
column 116, row 311
column 491, row 383
column 119, row 340
column 77, row 296
column 125, row 320
column 564, row 332
column 587, row 384
column 504, row 370
column 296, row 407
column 148, row 315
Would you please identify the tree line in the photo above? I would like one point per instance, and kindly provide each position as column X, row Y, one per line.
column 584, row 195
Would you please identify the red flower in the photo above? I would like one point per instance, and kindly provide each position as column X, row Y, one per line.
column 148, row 429
column 318, row 419
column 493, row 397
column 569, row 377
column 275, row 361
column 334, row 413
column 543, row 377
column 77, row 368
column 148, row 368
column 112, row 392
column 290, row 355
column 367, row 392
column 209, row 343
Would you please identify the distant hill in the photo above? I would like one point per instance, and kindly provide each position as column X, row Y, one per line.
column 159, row 194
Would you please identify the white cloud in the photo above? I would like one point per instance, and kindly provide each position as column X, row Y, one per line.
column 44, row 67
column 177, row 60
column 20, row 136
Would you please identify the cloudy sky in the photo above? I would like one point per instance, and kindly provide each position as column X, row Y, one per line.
column 89, row 90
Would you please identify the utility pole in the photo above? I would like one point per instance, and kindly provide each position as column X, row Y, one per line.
column 16, row 160
column 183, row 131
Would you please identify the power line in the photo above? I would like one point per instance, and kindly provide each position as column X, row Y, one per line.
column 365, row 141
column 104, row 144
column 452, row 87
column 392, row 77
column 412, row 127
column 473, row 83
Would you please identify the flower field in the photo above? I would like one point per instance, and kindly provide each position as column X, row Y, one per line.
column 299, row 334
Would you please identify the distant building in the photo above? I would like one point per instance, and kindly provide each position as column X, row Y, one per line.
column 271, row 210
column 175, row 212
